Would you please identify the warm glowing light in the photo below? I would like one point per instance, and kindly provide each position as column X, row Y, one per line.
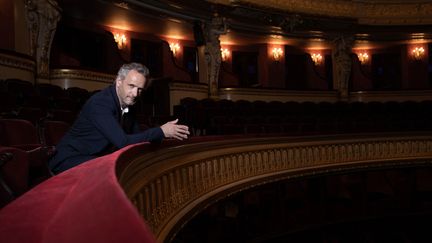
column 418, row 36
column 225, row 54
column 363, row 57
column 174, row 47
column 418, row 53
column 316, row 58
column 277, row 53
column 120, row 39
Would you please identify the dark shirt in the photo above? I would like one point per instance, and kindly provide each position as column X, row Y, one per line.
column 97, row 131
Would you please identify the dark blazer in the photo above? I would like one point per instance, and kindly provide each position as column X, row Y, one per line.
column 97, row 131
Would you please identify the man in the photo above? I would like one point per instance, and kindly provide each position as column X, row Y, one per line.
column 99, row 127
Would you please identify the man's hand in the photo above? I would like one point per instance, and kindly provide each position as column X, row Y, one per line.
column 172, row 130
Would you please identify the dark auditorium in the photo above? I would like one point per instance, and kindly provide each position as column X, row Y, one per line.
column 209, row 121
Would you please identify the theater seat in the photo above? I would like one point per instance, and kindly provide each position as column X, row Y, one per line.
column 18, row 133
column 23, row 135
column 14, row 174
column 53, row 131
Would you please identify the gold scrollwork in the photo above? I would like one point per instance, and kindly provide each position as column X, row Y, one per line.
column 184, row 182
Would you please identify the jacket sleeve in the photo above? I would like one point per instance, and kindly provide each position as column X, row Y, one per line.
column 103, row 116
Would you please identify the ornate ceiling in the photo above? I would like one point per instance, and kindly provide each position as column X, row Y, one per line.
column 374, row 12
column 308, row 22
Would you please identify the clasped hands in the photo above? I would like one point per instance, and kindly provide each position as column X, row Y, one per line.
column 173, row 130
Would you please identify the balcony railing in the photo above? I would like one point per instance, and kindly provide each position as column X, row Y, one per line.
column 169, row 185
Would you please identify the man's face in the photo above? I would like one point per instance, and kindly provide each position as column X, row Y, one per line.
column 130, row 88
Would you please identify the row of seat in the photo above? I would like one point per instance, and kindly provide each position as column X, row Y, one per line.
column 293, row 106
column 25, row 149
column 36, row 115
column 27, row 135
column 22, row 99
column 14, row 173
column 20, row 132
column 244, row 117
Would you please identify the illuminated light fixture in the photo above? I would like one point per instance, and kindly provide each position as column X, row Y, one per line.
column 363, row 57
column 316, row 58
column 418, row 53
column 120, row 40
column 277, row 53
column 174, row 47
column 225, row 54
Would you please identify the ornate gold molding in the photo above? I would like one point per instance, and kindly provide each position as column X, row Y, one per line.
column 277, row 92
column 370, row 12
column 17, row 62
column 318, row 96
column 170, row 184
column 176, row 86
column 81, row 74
column 42, row 18
column 383, row 96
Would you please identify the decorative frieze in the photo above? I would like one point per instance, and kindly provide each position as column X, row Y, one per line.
column 187, row 176
column 81, row 75
column 176, row 86
column 371, row 12
column 17, row 62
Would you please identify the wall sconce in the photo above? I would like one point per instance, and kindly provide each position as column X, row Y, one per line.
column 277, row 53
column 174, row 47
column 120, row 40
column 316, row 58
column 225, row 53
column 363, row 57
column 418, row 53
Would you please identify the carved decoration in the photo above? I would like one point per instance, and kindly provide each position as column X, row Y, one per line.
column 290, row 22
column 371, row 12
column 176, row 86
column 342, row 62
column 213, row 30
column 17, row 62
column 166, row 186
column 42, row 18
column 81, row 74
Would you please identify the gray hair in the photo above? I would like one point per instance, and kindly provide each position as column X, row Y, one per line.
column 126, row 68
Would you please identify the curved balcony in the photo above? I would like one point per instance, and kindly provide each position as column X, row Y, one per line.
column 169, row 184
column 16, row 65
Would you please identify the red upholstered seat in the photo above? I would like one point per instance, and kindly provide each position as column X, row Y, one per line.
column 20, row 86
column 22, row 134
column 8, row 102
column 77, row 94
column 14, row 174
column 50, row 90
column 62, row 115
column 53, row 131
column 18, row 132
column 32, row 114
